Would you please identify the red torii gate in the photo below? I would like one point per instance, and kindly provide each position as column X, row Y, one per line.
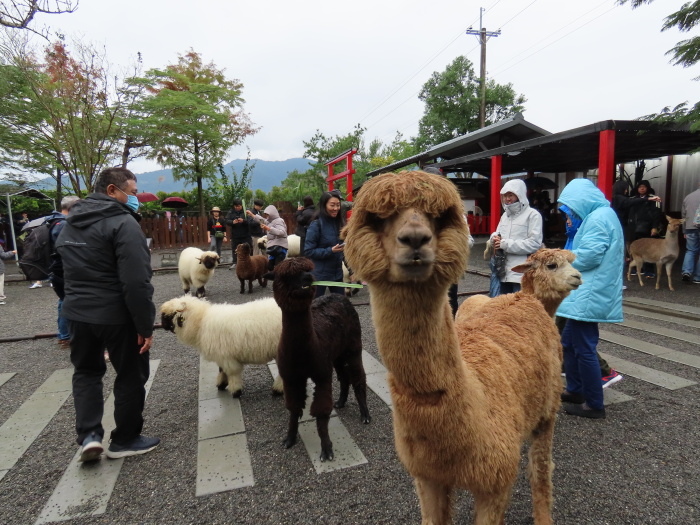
column 348, row 172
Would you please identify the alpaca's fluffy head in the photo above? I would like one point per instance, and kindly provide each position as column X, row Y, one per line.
column 407, row 227
column 243, row 249
column 262, row 243
column 209, row 260
column 292, row 286
column 548, row 274
column 175, row 312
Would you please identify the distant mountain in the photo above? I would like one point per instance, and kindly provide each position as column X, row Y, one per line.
column 265, row 175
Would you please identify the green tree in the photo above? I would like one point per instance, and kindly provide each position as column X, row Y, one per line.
column 452, row 101
column 685, row 53
column 193, row 117
column 224, row 188
column 65, row 113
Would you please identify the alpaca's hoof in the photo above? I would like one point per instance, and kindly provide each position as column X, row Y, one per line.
column 327, row 455
column 289, row 442
column 339, row 404
column 277, row 392
column 237, row 393
column 222, row 386
column 366, row 419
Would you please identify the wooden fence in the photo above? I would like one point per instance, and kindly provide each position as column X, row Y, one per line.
column 177, row 233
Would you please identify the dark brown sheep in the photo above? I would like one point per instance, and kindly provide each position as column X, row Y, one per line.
column 317, row 336
column 250, row 267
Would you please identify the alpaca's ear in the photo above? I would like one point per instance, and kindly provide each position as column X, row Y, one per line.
column 522, row 268
column 270, row 276
column 570, row 256
column 183, row 307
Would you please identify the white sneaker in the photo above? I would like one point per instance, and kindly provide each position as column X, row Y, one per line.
column 92, row 448
column 2, row 302
column 35, row 285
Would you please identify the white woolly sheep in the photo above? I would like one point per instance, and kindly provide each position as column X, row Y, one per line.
column 196, row 268
column 293, row 243
column 230, row 335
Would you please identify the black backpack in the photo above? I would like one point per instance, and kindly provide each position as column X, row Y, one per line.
column 36, row 257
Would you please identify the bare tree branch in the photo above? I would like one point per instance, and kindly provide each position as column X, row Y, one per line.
column 19, row 14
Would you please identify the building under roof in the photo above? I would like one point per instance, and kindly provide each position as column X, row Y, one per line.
column 601, row 145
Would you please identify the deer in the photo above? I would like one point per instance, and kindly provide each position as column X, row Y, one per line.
column 662, row 252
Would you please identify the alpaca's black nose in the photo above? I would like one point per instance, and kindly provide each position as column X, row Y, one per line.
column 415, row 234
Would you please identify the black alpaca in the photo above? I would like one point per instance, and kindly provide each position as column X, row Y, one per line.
column 317, row 336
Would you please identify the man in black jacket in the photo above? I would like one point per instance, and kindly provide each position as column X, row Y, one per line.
column 240, row 228
column 109, row 303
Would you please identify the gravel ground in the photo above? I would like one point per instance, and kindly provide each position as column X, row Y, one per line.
column 639, row 466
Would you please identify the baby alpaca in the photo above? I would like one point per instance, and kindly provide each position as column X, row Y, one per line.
column 196, row 268
column 317, row 336
column 466, row 397
column 229, row 335
column 250, row 267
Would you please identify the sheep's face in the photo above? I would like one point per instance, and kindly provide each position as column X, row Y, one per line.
column 172, row 314
column 292, row 286
column 549, row 272
column 407, row 228
column 262, row 243
column 209, row 260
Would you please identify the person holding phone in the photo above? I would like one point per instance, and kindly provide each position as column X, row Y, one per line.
column 323, row 245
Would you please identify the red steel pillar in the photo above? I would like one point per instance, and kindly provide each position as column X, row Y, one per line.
column 606, row 162
column 496, row 168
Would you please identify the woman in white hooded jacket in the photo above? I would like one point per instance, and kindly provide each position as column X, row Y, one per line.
column 520, row 230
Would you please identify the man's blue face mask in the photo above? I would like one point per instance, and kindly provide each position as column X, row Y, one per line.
column 131, row 201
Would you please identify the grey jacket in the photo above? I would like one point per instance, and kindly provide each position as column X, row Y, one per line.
column 6, row 256
column 690, row 206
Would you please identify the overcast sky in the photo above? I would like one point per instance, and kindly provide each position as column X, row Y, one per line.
column 328, row 65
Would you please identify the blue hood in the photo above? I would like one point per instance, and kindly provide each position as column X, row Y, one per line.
column 582, row 197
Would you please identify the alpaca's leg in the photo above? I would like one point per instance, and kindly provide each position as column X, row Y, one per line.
column 234, row 371
column 250, row 285
column 358, row 378
column 221, row 380
column 200, row 292
column 343, row 374
column 540, row 469
column 326, row 443
column 435, row 502
column 294, row 400
column 490, row 509
column 242, row 285
column 262, row 282
column 321, row 408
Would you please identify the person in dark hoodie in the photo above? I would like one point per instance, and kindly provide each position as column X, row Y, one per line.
column 109, row 304
column 304, row 215
column 240, row 228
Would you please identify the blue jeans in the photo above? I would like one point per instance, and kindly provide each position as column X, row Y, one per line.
column 691, row 261
column 580, row 339
column 63, row 325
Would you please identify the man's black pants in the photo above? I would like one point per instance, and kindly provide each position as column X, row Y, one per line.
column 88, row 343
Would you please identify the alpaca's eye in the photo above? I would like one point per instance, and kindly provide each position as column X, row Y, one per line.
column 446, row 219
column 552, row 266
column 373, row 221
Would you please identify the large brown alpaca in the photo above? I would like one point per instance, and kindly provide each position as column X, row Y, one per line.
column 465, row 400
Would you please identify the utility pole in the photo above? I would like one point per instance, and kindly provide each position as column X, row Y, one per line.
column 483, row 36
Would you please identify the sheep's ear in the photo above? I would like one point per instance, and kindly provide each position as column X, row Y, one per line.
column 270, row 276
column 522, row 268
